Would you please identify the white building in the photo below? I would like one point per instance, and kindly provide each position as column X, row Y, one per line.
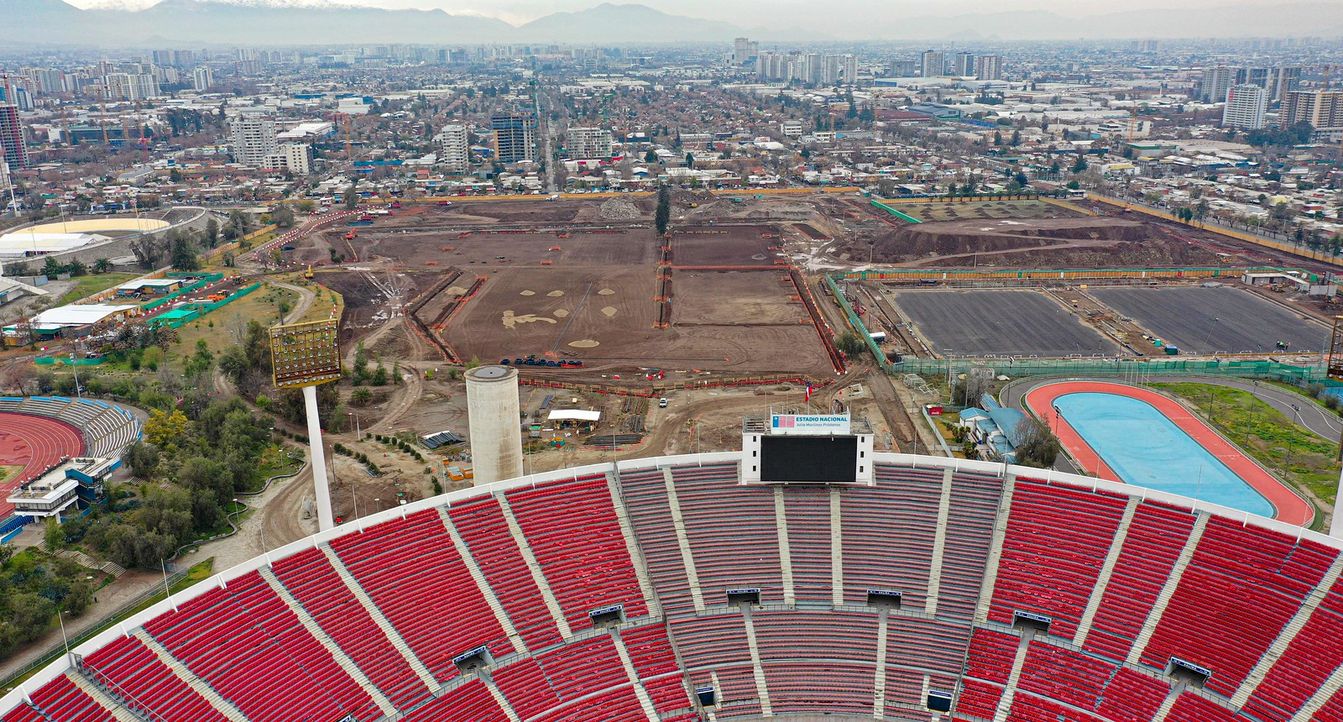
column 850, row 69
column 963, row 65
column 744, row 50
column 791, row 128
column 1246, row 106
column 589, row 143
column 202, row 78
column 989, row 67
column 293, row 157
column 130, row 86
column 456, row 154
column 252, row 138
column 1216, row 81
column 933, row 64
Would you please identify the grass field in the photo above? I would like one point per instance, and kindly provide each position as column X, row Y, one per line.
column 226, row 326
column 8, row 471
column 1291, row 451
column 90, row 284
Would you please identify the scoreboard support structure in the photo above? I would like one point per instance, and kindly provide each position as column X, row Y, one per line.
column 305, row 356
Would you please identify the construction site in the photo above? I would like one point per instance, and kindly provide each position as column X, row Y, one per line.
column 744, row 300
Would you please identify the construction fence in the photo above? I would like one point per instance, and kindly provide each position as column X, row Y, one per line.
column 192, row 311
column 1136, row 368
column 202, row 280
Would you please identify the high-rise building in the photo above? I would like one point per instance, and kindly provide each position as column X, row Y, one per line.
column 1245, row 107
column 830, row 69
column 15, row 151
column 293, row 157
column 1283, row 81
column 252, row 138
column 904, row 68
column 1259, row 76
column 933, row 64
column 1321, row 108
column 130, row 86
column 989, row 67
column 456, row 151
column 849, row 69
column 589, row 143
column 744, row 51
column 202, row 78
column 1216, row 81
column 514, row 137
column 963, row 64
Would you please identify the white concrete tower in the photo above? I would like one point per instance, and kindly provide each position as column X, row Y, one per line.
column 492, row 411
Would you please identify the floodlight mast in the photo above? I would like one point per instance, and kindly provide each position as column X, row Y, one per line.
column 305, row 356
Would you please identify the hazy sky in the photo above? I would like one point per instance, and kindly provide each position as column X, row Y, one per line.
column 752, row 13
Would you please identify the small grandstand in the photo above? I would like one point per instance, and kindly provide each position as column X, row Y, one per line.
column 37, row 432
column 670, row 589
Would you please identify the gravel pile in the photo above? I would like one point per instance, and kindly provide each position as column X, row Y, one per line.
column 619, row 209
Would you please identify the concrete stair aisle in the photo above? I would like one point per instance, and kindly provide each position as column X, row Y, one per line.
column 1167, row 590
column 486, row 591
column 341, row 659
column 1107, row 571
column 379, row 619
column 198, row 685
column 538, row 574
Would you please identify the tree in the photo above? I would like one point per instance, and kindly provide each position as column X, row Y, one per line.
column 351, row 197
column 102, row 265
column 997, row 137
column 212, row 233
column 164, row 429
column 183, row 254
column 850, row 344
column 651, row 156
column 283, row 216
column 1021, row 179
column 663, row 214
column 141, row 458
column 1036, row 444
column 1080, row 165
column 690, row 160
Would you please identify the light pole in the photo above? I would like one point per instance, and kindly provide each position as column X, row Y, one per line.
column 60, row 617
column 358, row 433
column 1212, row 326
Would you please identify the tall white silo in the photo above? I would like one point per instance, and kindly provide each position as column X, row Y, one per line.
column 492, row 410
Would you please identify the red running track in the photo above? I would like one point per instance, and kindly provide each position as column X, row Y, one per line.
column 35, row 443
column 1290, row 507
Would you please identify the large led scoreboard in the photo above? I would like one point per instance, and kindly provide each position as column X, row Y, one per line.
column 807, row 449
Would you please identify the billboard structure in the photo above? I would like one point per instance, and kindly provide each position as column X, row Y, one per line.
column 305, row 356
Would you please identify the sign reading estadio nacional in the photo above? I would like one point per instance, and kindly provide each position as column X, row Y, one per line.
column 810, row 424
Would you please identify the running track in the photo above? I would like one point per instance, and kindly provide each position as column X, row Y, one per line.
column 35, row 443
column 1290, row 508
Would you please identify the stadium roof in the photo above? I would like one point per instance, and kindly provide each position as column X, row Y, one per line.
column 20, row 243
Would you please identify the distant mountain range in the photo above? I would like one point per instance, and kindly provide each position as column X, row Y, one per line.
column 264, row 22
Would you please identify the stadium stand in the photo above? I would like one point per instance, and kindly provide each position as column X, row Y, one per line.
column 849, row 602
